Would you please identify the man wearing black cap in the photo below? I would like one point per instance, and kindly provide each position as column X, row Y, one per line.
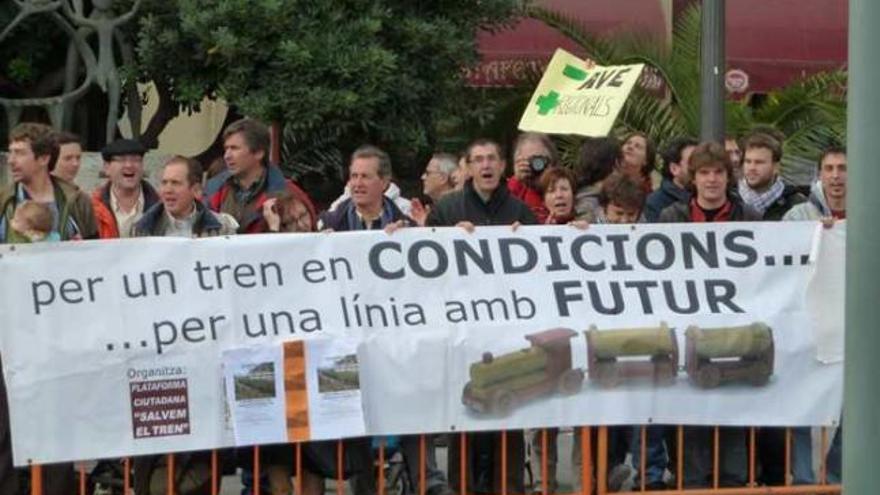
column 120, row 202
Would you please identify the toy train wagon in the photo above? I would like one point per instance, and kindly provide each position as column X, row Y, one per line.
column 498, row 383
column 619, row 355
column 733, row 354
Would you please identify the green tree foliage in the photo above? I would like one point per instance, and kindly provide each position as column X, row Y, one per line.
column 29, row 56
column 810, row 112
column 337, row 74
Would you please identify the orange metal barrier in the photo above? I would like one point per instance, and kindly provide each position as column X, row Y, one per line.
column 599, row 486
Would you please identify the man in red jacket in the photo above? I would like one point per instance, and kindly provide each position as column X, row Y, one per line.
column 249, row 179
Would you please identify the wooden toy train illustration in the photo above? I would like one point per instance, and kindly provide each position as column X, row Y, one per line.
column 713, row 357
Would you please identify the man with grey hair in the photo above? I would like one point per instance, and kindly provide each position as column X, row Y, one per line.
column 437, row 177
column 367, row 208
column 392, row 192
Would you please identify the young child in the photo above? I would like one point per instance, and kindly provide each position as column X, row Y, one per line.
column 286, row 213
column 33, row 222
column 621, row 199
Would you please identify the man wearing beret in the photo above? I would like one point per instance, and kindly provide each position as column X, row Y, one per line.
column 121, row 202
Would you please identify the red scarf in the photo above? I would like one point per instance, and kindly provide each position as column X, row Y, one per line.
column 698, row 215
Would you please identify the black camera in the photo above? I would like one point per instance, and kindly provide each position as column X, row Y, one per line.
column 537, row 163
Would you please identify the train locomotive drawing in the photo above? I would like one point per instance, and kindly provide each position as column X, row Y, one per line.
column 499, row 383
column 713, row 357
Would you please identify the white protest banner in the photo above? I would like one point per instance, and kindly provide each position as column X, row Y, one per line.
column 574, row 99
column 116, row 348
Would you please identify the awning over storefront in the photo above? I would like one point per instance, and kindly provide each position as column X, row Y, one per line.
column 769, row 42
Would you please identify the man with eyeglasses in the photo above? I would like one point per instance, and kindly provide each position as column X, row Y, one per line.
column 437, row 179
column 484, row 200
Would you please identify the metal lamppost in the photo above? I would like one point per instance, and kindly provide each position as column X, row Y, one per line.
column 712, row 70
column 862, row 367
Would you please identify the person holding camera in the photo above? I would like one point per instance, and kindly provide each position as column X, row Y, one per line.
column 533, row 153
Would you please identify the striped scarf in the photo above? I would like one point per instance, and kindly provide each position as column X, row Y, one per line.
column 761, row 201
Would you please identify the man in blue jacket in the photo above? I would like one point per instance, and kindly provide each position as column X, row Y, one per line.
column 676, row 177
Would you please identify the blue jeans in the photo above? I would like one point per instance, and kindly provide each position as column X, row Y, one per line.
column 802, row 457
column 657, row 459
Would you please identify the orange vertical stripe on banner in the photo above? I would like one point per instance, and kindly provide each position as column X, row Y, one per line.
column 296, row 394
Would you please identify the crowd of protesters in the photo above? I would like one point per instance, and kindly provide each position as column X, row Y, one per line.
column 612, row 182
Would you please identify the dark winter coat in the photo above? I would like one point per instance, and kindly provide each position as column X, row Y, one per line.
column 467, row 206
column 790, row 197
column 667, row 194
column 681, row 212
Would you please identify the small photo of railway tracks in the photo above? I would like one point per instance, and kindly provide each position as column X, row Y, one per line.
column 257, row 383
column 341, row 376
